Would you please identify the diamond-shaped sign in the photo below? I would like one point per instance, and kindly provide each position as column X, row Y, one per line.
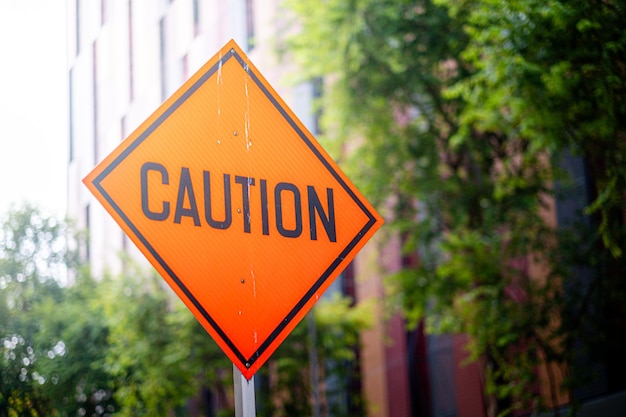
column 236, row 205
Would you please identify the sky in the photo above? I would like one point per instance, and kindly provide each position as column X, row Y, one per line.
column 33, row 105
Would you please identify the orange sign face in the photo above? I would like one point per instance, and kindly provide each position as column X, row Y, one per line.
column 236, row 205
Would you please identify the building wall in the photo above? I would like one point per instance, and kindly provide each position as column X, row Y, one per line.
column 127, row 56
column 384, row 350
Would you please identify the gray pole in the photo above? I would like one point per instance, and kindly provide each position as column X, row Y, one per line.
column 245, row 405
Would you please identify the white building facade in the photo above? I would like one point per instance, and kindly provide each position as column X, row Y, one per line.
column 125, row 57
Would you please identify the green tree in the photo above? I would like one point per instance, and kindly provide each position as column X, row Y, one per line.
column 553, row 73
column 31, row 251
column 330, row 334
column 50, row 350
column 76, row 379
column 159, row 355
column 126, row 345
column 461, row 111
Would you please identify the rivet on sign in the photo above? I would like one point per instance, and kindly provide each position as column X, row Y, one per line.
column 238, row 210
column 235, row 133
column 247, row 365
column 243, row 281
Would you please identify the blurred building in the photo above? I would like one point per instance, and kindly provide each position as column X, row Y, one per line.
column 126, row 57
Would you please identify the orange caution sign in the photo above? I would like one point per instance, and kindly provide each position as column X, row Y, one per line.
column 236, row 205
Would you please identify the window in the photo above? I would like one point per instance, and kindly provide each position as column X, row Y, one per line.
column 348, row 285
column 95, row 100
column 196, row 18
column 71, row 115
column 163, row 64
column 184, row 67
column 103, row 12
column 77, row 23
column 131, row 84
column 123, row 127
column 250, row 24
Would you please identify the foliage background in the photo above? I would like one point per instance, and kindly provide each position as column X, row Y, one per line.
column 459, row 117
column 126, row 346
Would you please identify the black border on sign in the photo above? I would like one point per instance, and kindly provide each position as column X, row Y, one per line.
column 97, row 182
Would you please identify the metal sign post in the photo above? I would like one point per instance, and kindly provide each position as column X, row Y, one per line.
column 245, row 404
